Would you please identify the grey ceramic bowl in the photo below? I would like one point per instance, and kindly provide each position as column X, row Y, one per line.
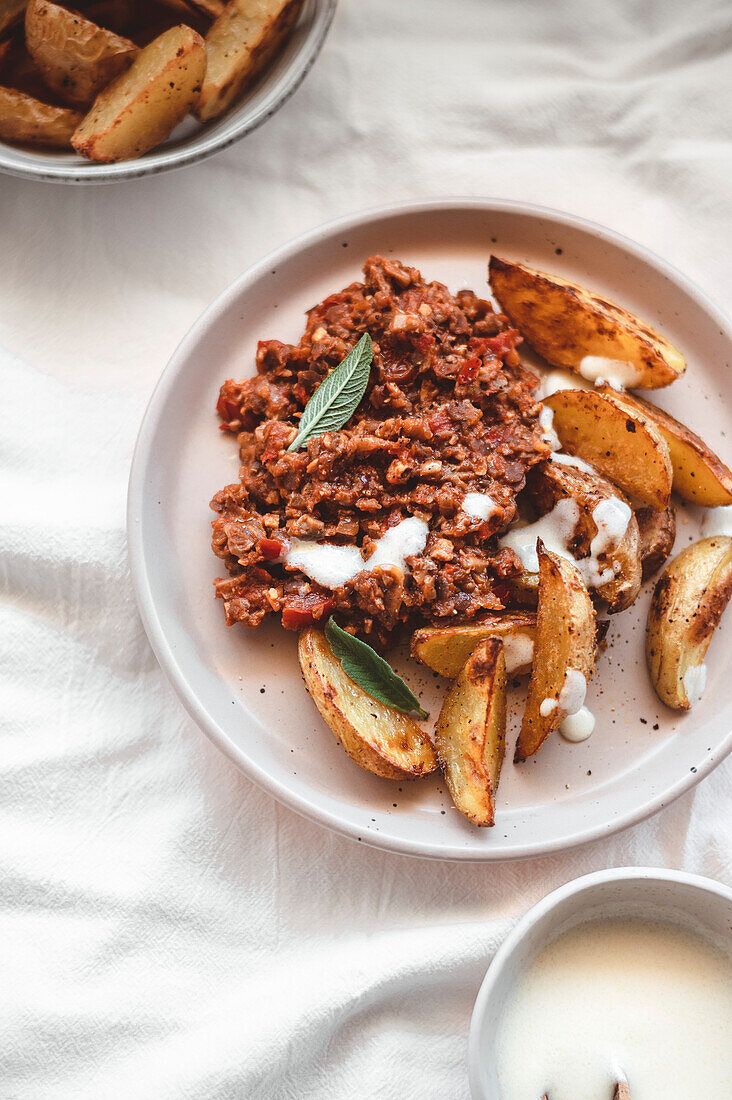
column 191, row 141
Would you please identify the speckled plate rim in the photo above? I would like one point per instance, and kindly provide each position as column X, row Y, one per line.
column 206, row 143
column 281, row 789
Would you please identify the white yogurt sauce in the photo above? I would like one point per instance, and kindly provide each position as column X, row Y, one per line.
column 611, row 517
column 573, row 460
column 546, row 423
column 556, row 528
column 717, row 521
column 556, row 380
column 479, row 505
column 695, row 681
column 618, row 373
column 574, row 689
column 518, row 651
column 616, row 1000
column 579, row 722
column 333, row 566
column 579, row 726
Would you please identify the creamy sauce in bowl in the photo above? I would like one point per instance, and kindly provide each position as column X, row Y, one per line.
column 620, row 1000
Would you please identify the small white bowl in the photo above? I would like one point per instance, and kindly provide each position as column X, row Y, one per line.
column 192, row 141
column 700, row 904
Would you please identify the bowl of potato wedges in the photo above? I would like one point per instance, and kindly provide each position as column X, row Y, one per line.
column 118, row 89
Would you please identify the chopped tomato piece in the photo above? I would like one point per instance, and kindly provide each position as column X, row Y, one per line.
column 479, row 345
column 497, row 345
column 271, row 549
column 440, row 422
column 469, row 370
column 424, row 342
column 502, row 590
column 300, row 611
column 228, row 409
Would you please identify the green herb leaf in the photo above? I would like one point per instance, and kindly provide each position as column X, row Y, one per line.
column 370, row 671
column 338, row 396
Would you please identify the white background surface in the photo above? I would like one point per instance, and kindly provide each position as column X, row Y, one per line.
column 166, row 930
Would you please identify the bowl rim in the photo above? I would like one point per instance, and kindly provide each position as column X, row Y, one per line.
column 539, row 912
column 167, row 159
column 159, row 642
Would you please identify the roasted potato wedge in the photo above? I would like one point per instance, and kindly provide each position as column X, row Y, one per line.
column 657, row 532
column 212, row 8
column 380, row 739
column 139, row 109
column 75, row 57
column 19, row 72
column 120, row 16
column 623, row 445
column 699, row 475
column 471, row 733
column 610, row 566
column 573, row 328
column 445, row 649
column 688, row 602
column 239, row 44
column 4, row 51
column 11, row 12
column 179, row 6
column 564, row 651
column 159, row 16
column 30, row 122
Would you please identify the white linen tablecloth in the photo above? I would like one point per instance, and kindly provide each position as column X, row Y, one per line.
column 167, row 931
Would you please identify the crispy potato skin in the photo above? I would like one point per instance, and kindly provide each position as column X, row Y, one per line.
column 141, row 107
column 564, row 323
column 565, row 640
column 212, row 8
column 657, row 536
column 550, row 482
column 120, row 16
column 621, row 444
column 446, row 649
column 75, row 57
column 11, row 12
column 688, row 602
column 20, row 73
column 30, row 122
column 471, row 733
column 699, row 475
column 380, row 739
column 239, row 44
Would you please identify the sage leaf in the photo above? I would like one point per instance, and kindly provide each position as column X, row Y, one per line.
column 338, row 396
column 371, row 672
